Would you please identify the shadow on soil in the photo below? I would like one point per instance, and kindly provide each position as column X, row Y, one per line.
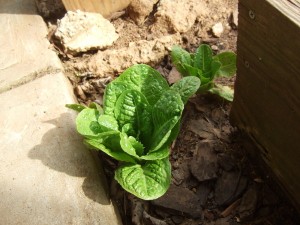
column 61, row 149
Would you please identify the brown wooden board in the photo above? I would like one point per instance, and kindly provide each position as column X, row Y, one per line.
column 267, row 90
column 105, row 7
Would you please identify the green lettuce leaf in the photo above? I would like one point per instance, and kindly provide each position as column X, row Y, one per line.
column 191, row 71
column 87, row 122
column 203, row 58
column 186, row 87
column 148, row 181
column 162, row 153
column 132, row 108
column 174, row 133
column 181, row 59
column 112, row 92
column 131, row 146
column 166, row 113
column 116, row 154
column 94, row 105
column 228, row 64
column 223, row 91
column 215, row 68
column 76, row 107
column 129, row 130
column 107, row 123
column 146, row 80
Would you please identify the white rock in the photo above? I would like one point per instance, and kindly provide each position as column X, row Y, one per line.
column 217, row 29
column 82, row 31
column 214, row 48
column 179, row 15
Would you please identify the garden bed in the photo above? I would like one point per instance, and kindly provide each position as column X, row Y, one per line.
column 217, row 178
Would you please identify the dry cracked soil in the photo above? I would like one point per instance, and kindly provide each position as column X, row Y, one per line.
column 217, row 176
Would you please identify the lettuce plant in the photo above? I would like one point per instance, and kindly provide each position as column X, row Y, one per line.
column 207, row 67
column 140, row 118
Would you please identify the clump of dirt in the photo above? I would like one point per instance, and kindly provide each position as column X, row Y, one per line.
column 108, row 63
column 214, row 179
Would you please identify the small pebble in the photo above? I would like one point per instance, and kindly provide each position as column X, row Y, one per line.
column 214, row 48
column 217, row 29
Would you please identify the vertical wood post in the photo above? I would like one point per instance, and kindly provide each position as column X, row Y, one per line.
column 267, row 90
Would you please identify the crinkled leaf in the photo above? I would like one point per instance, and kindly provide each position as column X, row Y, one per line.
column 87, row 122
column 146, row 80
column 116, row 154
column 128, row 106
column 223, row 91
column 131, row 146
column 161, row 136
column 149, row 181
column 159, row 154
column 107, row 123
column 132, row 107
column 228, row 64
column 168, row 106
column 181, row 59
column 138, row 146
column 76, row 107
column 166, row 113
column 203, row 58
column 186, row 87
column 112, row 92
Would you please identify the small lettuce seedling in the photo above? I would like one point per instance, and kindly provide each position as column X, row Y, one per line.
column 139, row 120
column 207, row 67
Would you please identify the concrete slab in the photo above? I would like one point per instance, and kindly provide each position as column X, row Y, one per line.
column 47, row 176
column 24, row 48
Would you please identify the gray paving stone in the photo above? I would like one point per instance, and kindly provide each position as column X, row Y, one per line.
column 24, row 48
column 47, row 176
